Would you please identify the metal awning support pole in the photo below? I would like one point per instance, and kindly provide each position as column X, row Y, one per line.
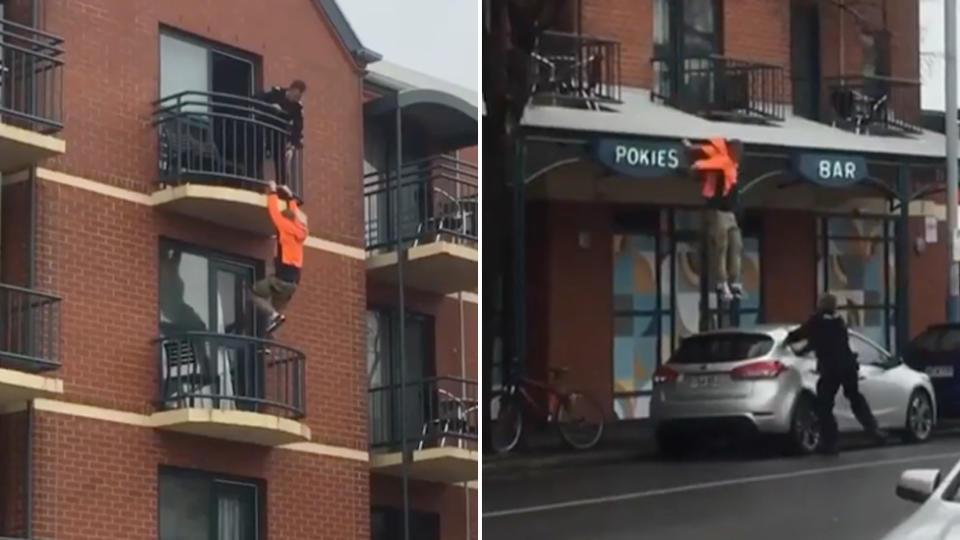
column 401, row 318
column 952, row 139
column 902, row 258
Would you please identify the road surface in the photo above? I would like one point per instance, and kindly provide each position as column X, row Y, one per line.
column 713, row 497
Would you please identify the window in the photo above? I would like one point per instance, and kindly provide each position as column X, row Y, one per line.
column 195, row 505
column 685, row 34
column 708, row 349
column 189, row 64
column 204, row 291
column 867, row 354
column 383, row 371
column 386, row 523
column 855, row 261
column 657, row 298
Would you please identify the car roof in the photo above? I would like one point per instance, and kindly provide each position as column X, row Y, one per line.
column 776, row 331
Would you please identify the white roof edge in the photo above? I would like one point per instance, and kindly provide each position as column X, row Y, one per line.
column 639, row 116
column 399, row 77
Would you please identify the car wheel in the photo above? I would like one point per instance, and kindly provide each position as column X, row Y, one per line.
column 804, row 436
column 919, row 424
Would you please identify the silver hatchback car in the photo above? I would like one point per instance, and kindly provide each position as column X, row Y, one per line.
column 747, row 378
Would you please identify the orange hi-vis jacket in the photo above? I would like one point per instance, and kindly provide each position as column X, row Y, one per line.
column 718, row 160
column 291, row 234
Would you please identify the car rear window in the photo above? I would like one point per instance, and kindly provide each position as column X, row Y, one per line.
column 715, row 348
column 936, row 340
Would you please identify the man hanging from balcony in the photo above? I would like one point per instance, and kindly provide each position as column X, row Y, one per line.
column 717, row 162
column 273, row 293
column 287, row 102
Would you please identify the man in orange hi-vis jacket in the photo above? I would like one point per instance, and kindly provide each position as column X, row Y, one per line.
column 717, row 164
column 273, row 293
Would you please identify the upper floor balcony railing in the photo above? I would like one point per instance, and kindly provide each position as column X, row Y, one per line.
column 31, row 75
column 575, row 70
column 441, row 412
column 225, row 140
column 872, row 104
column 722, row 88
column 29, row 329
column 231, row 372
column 438, row 201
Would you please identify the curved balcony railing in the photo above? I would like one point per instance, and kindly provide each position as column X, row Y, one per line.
column 872, row 104
column 231, row 372
column 29, row 329
column 440, row 412
column 438, row 201
column 224, row 139
column 31, row 78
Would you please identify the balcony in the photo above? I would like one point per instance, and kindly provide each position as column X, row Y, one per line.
column 441, row 427
column 232, row 387
column 29, row 344
column 437, row 225
column 721, row 88
column 574, row 70
column 872, row 105
column 217, row 153
column 31, row 96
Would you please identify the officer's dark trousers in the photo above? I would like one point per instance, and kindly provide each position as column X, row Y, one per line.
column 827, row 388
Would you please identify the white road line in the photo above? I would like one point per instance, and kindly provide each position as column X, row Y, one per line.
column 709, row 485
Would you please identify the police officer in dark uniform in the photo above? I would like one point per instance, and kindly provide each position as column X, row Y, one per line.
column 826, row 334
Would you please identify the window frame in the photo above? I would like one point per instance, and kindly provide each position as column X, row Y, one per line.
column 212, row 478
column 212, row 256
column 255, row 60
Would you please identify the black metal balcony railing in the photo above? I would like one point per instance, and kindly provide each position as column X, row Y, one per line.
column 440, row 412
column 224, row 139
column 872, row 104
column 576, row 69
column 31, row 75
column 717, row 86
column 231, row 372
column 29, row 329
column 438, row 201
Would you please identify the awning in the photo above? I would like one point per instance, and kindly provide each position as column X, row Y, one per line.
column 447, row 121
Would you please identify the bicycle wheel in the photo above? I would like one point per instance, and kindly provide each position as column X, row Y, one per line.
column 506, row 428
column 580, row 420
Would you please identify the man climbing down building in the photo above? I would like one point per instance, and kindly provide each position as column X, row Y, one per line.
column 287, row 101
column 717, row 163
column 273, row 293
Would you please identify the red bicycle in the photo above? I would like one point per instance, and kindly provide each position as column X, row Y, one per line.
column 577, row 416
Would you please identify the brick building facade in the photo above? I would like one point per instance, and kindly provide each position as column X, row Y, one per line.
column 140, row 396
column 614, row 265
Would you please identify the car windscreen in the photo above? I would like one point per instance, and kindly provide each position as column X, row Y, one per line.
column 937, row 344
column 726, row 347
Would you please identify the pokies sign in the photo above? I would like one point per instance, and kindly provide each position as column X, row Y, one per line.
column 640, row 159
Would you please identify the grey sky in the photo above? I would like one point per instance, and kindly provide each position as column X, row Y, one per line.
column 436, row 37
column 931, row 54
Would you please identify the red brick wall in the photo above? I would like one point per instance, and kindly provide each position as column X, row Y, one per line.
column 928, row 278
column 111, row 78
column 14, row 229
column 630, row 23
column 444, row 499
column 78, row 491
column 100, row 254
column 789, row 244
column 12, row 473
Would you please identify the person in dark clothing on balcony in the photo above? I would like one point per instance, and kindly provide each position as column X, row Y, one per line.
column 273, row 293
column 286, row 104
column 827, row 336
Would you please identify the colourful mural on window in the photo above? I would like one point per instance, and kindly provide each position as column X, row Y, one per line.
column 855, row 270
column 648, row 321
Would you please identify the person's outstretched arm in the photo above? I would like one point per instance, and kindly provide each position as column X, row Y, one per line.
column 800, row 333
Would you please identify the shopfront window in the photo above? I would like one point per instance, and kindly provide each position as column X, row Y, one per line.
column 657, row 296
column 856, row 261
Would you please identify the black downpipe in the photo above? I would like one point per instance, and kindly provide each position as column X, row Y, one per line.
column 32, row 232
column 903, row 257
column 28, row 487
column 401, row 339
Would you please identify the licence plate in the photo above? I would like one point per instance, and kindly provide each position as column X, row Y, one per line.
column 704, row 381
column 940, row 372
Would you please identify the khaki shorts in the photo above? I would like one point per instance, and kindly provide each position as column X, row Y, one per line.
column 276, row 290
